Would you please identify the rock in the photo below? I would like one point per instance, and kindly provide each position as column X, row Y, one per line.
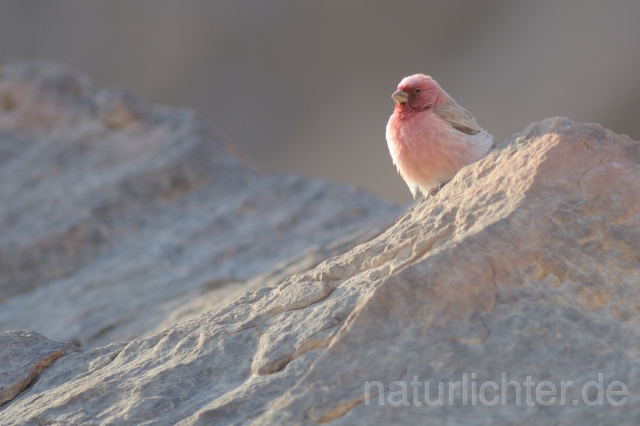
column 23, row 355
column 118, row 219
column 525, row 264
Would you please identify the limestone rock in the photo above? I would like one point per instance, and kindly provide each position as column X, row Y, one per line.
column 525, row 264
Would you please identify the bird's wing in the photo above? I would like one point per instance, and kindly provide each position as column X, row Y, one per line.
column 458, row 117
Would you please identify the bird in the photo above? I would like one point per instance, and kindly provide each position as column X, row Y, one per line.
column 430, row 137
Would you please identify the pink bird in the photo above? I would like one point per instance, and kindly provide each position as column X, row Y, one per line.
column 430, row 136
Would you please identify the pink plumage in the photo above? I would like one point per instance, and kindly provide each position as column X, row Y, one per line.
column 430, row 136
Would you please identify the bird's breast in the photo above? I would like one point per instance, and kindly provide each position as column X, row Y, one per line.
column 411, row 134
column 426, row 149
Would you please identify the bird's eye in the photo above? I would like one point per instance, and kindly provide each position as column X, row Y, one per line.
column 417, row 91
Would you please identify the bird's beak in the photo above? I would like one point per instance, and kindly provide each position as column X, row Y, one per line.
column 400, row 97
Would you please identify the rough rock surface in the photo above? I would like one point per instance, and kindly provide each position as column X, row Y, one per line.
column 525, row 264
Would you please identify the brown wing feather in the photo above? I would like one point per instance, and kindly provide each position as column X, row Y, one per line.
column 458, row 117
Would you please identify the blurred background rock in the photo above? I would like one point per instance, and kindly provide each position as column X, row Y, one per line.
column 305, row 86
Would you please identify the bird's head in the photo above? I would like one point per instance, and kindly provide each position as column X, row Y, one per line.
column 417, row 92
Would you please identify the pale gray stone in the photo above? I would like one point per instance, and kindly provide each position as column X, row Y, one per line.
column 526, row 264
